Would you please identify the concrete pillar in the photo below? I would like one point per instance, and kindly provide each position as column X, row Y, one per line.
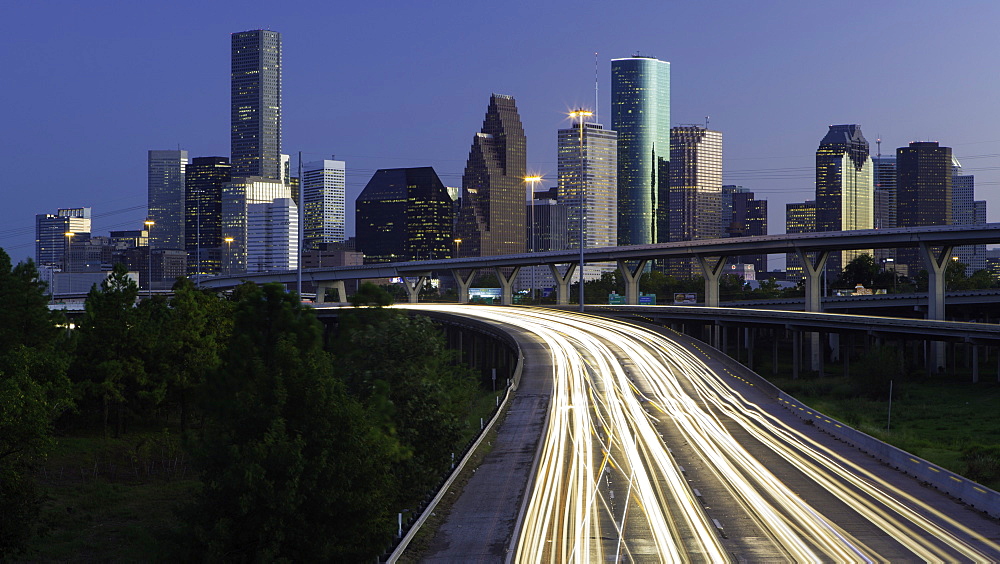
column 711, row 269
column 796, row 352
column 321, row 288
column 414, row 289
column 506, row 283
column 562, row 282
column 774, row 353
column 936, row 263
column 464, row 283
column 631, row 277
column 813, row 269
column 749, row 340
column 975, row 364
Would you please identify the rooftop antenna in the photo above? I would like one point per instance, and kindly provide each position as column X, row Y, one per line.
column 596, row 98
column 706, row 121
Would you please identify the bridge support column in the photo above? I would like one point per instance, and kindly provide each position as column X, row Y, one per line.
column 975, row 364
column 322, row 287
column 506, row 283
column 937, row 263
column 562, row 282
column 413, row 290
column 711, row 268
column 464, row 283
column 631, row 277
column 813, row 269
column 796, row 353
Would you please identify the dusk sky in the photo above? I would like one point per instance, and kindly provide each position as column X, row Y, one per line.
column 90, row 87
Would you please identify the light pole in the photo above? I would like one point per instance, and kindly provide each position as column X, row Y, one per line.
column 532, row 182
column 149, row 223
column 580, row 115
column 458, row 246
column 69, row 243
column 229, row 255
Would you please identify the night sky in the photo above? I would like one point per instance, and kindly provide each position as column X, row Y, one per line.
column 88, row 88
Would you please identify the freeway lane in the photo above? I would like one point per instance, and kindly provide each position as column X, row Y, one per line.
column 657, row 452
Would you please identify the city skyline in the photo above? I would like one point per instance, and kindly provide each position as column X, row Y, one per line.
column 770, row 122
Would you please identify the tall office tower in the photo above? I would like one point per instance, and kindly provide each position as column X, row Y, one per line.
column 324, row 193
column 744, row 216
column 551, row 221
column 203, row 213
column 404, row 214
column 640, row 113
column 884, row 204
column 923, row 193
column 844, row 189
column 54, row 234
column 800, row 217
column 259, row 228
column 695, row 195
column 588, row 183
column 966, row 210
column 491, row 219
column 256, row 104
column 166, row 198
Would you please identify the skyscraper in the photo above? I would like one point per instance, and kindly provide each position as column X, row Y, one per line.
column 967, row 210
column 259, row 226
column 744, row 216
column 800, row 217
column 844, row 189
column 52, row 239
column 404, row 214
column 695, row 196
column 588, row 172
column 884, row 204
column 324, row 197
column 923, row 192
column 203, row 183
column 640, row 113
column 492, row 219
column 166, row 171
column 256, row 104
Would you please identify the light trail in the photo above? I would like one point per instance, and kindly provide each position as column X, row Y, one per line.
column 616, row 387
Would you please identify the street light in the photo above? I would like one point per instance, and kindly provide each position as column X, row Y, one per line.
column 229, row 255
column 580, row 115
column 149, row 223
column 458, row 246
column 69, row 243
column 532, row 182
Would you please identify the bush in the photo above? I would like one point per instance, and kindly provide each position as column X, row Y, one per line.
column 982, row 462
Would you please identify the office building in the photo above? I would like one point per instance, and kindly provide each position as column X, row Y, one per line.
column 844, row 189
column 640, row 113
column 256, row 104
column 259, row 226
column 744, row 216
column 966, row 210
column 588, row 188
column 53, row 233
column 404, row 214
column 166, row 170
column 923, row 194
column 491, row 218
column 695, row 195
column 800, row 217
column 203, row 213
column 324, row 192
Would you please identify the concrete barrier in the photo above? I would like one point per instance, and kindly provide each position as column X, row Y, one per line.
column 958, row 487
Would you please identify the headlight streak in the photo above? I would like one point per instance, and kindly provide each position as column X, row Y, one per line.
column 599, row 429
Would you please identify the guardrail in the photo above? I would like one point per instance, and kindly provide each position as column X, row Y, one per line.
column 968, row 492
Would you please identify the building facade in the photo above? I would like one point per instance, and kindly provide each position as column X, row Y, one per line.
column 800, row 217
column 491, row 218
column 166, row 170
column 844, row 189
column 640, row 113
column 259, row 226
column 404, row 214
column 55, row 232
column 923, row 194
column 588, row 188
column 203, row 213
column 744, row 216
column 324, row 197
column 695, row 196
column 966, row 210
column 256, row 104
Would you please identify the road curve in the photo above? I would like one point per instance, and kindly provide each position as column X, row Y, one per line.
column 657, row 450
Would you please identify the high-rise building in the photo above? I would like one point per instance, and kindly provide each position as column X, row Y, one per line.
column 800, row 217
column 324, row 193
column 744, row 216
column 695, row 196
column 404, row 214
column 166, row 172
column 966, row 210
column 640, row 113
column 256, row 104
column 844, row 189
column 923, row 193
column 491, row 219
column 54, row 233
column 203, row 213
column 588, row 172
column 259, row 226
column 884, row 204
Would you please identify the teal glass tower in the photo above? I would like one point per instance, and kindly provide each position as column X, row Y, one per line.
column 640, row 113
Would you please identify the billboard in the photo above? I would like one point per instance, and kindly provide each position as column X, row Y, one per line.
column 685, row 298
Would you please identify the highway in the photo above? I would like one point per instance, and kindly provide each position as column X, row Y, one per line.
column 657, row 452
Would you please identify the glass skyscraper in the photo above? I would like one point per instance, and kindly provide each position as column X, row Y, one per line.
column 923, row 193
column 203, row 182
column 165, row 197
column 695, row 200
column 844, row 189
column 256, row 104
column 324, row 193
column 800, row 217
column 640, row 113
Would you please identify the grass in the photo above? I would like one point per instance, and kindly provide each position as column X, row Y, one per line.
column 936, row 418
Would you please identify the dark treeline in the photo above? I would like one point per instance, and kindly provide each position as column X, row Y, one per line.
column 305, row 443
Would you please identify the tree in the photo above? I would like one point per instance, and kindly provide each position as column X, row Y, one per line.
column 861, row 270
column 369, row 294
column 291, row 467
